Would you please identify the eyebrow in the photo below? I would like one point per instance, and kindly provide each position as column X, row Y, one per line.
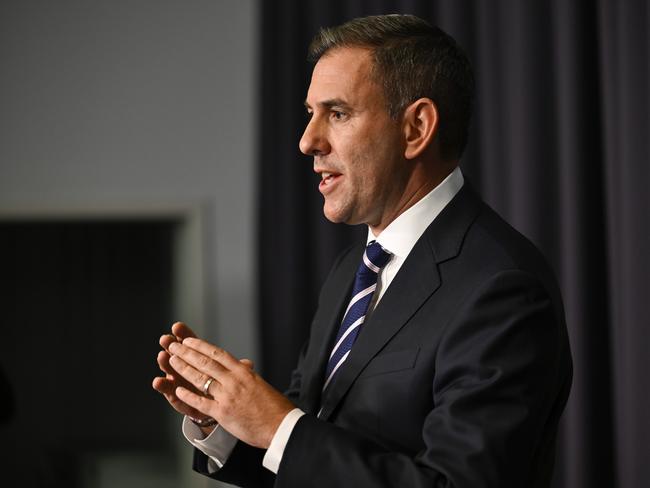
column 332, row 102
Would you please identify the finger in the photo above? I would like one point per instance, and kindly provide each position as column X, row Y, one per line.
column 198, row 360
column 182, row 331
column 198, row 379
column 219, row 355
column 248, row 363
column 167, row 368
column 168, row 390
column 198, row 402
column 163, row 385
column 166, row 340
column 163, row 363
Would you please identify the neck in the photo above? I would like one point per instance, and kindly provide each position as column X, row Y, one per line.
column 423, row 179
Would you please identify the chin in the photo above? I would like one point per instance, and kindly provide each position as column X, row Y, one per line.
column 333, row 218
column 335, row 215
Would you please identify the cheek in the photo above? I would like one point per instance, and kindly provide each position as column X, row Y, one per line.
column 368, row 157
column 362, row 171
column 376, row 163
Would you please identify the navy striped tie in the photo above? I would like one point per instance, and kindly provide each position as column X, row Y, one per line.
column 365, row 284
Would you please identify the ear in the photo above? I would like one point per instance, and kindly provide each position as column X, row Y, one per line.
column 420, row 126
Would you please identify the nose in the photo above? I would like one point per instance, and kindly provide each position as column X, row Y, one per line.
column 314, row 140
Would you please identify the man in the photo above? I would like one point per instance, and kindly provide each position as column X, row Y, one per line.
column 444, row 360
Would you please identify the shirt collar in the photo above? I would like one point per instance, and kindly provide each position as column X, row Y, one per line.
column 401, row 234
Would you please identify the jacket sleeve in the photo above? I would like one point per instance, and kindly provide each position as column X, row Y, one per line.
column 502, row 373
column 243, row 468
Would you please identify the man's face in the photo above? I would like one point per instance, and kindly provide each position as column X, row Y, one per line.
column 357, row 148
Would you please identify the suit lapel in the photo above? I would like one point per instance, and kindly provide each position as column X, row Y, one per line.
column 413, row 284
column 334, row 300
column 416, row 281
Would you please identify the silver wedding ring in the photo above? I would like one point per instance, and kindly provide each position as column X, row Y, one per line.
column 206, row 386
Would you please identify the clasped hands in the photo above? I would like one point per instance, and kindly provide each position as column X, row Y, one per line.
column 238, row 398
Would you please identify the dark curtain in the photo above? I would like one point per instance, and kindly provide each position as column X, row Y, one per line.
column 559, row 146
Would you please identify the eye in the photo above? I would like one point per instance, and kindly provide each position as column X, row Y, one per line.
column 338, row 115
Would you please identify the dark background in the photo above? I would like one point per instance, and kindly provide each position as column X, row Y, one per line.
column 82, row 301
column 559, row 146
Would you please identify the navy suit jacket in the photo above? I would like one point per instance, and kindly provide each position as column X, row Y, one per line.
column 458, row 378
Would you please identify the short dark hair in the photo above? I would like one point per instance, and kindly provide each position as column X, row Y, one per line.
column 412, row 60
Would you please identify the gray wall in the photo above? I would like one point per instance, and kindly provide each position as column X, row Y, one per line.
column 140, row 107
column 139, row 104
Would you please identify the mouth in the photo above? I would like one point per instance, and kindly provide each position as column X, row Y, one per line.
column 328, row 181
column 328, row 177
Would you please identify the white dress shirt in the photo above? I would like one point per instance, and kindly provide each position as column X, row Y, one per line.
column 398, row 238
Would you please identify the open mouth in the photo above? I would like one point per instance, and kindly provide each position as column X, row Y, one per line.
column 328, row 178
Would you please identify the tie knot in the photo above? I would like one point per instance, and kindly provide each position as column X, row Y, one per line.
column 376, row 256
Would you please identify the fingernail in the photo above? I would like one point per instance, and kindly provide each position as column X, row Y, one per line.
column 173, row 346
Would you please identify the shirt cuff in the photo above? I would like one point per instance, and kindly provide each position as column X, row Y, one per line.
column 217, row 446
column 275, row 451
